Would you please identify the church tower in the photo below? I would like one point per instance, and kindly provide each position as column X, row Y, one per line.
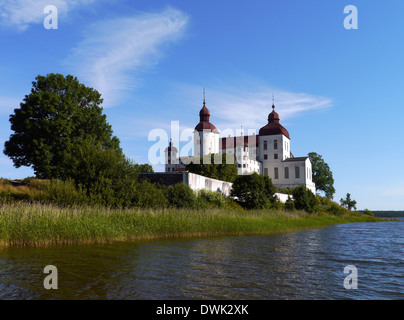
column 206, row 136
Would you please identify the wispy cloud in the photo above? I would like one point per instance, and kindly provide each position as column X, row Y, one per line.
column 20, row 14
column 114, row 52
column 250, row 105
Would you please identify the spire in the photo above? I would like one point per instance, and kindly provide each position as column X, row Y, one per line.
column 204, row 102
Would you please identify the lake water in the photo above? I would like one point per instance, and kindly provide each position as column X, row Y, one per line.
column 306, row 264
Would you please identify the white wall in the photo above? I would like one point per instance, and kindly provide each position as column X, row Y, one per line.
column 197, row 182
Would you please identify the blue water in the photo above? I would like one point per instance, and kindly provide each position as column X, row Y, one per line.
column 300, row 265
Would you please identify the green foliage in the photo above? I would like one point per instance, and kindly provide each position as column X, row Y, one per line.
column 290, row 204
column 368, row 212
column 348, row 202
column 210, row 199
column 109, row 178
column 144, row 168
column 65, row 193
column 181, row 196
column 149, row 195
column 304, row 199
column 253, row 191
column 322, row 175
column 215, row 166
column 58, row 114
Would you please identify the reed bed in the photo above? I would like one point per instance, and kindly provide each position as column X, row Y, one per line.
column 23, row 224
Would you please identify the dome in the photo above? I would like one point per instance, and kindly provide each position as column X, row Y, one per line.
column 171, row 147
column 273, row 127
column 204, row 123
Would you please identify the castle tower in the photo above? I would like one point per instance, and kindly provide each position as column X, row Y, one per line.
column 206, row 136
column 274, row 144
column 171, row 155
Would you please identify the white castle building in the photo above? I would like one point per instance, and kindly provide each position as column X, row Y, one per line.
column 268, row 153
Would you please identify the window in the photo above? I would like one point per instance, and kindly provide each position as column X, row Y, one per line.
column 275, row 156
column 297, row 173
column 265, row 145
column 287, row 173
column 265, row 157
column 276, row 173
column 168, row 169
column 243, row 165
column 275, row 144
column 169, row 161
column 266, row 172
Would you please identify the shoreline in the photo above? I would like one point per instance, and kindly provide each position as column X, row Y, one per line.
column 40, row 225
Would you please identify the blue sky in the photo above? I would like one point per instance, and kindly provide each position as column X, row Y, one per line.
column 338, row 91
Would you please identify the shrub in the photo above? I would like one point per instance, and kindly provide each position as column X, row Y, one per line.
column 149, row 195
column 253, row 191
column 290, row 204
column 210, row 199
column 181, row 196
column 65, row 193
column 368, row 212
column 304, row 199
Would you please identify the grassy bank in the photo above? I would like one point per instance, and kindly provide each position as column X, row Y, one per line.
column 43, row 225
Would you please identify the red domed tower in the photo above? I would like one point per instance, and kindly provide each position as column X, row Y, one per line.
column 274, row 144
column 206, row 136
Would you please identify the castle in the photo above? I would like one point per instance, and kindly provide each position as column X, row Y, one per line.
column 268, row 153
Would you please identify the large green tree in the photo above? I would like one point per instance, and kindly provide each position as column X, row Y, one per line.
column 57, row 115
column 253, row 191
column 322, row 175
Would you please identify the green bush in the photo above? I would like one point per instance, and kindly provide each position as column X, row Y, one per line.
column 181, row 196
column 66, row 193
column 210, row 199
column 149, row 195
column 253, row 191
column 304, row 199
column 368, row 212
column 290, row 204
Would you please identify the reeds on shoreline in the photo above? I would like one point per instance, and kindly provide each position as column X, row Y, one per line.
column 23, row 224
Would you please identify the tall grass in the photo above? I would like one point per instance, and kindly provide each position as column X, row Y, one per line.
column 23, row 224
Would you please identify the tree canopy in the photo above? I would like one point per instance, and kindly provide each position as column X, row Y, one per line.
column 322, row 175
column 59, row 114
column 215, row 166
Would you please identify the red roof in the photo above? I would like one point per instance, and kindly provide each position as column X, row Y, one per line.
column 273, row 127
column 232, row 142
column 204, row 123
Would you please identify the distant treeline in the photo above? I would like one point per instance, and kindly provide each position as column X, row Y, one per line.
column 390, row 214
